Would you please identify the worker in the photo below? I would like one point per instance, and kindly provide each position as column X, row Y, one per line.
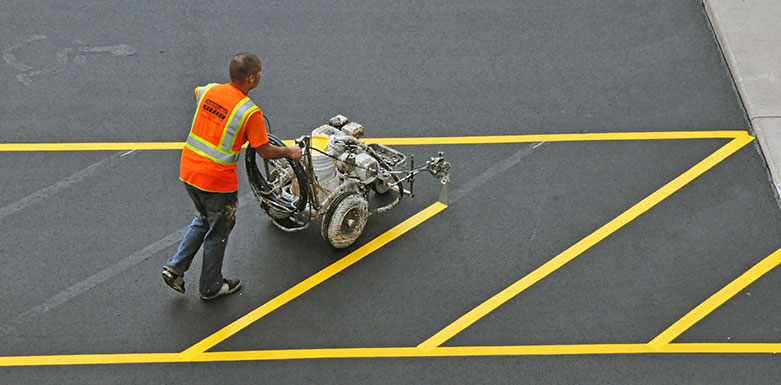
column 225, row 119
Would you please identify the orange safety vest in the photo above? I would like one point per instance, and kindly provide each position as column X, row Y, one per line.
column 212, row 149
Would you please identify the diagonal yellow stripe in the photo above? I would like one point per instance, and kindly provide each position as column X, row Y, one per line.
column 314, row 280
column 560, row 260
column 716, row 300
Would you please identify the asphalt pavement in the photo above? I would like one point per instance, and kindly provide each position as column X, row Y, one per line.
column 645, row 255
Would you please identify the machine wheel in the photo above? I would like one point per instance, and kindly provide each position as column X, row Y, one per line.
column 345, row 219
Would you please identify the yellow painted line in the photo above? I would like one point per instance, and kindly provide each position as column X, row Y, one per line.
column 409, row 352
column 716, row 300
column 391, row 352
column 119, row 146
column 560, row 260
column 6, row 147
column 91, row 359
column 197, row 352
column 314, row 280
column 477, row 351
column 726, row 348
column 617, row 136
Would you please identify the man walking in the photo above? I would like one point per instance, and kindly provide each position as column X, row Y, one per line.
column 224, row 120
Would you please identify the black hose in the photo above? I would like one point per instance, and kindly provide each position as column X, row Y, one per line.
column 263, row 190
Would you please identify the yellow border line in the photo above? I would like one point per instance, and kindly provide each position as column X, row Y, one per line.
column 18, row 147
column 197, row 352
column 560, row 260
column 659, row 135
column 467, row 351
column 716, row 300
column 400, row 352
column 616, row 136
column 91, row 359
column 314, row 280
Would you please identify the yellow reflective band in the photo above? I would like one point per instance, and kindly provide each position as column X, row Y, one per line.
column 201, row 91
column 230, row 126
column 203, row 154
column 205, row 149
column 243, row 124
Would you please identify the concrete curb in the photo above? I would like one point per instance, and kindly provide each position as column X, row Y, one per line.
column 750, row 37
column 768, row 131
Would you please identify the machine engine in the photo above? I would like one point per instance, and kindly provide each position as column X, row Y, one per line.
column 333, row 180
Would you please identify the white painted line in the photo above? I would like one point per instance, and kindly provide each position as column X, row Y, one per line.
column 63, row 184
column 175, row 237
column 103, row 275
column 494, row 170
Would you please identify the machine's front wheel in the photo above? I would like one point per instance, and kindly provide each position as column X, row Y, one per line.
column 345, row 219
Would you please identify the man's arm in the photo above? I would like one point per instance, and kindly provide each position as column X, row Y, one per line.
column 269, row 151
column 256, row 133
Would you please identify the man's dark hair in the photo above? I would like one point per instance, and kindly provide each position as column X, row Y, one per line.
column 243, row 65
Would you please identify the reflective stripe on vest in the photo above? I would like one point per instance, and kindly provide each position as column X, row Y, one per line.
column 208, row 150
column 202, row 91
column 239, row 115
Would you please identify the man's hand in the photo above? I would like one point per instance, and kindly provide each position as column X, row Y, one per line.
column 268, row 151
column 294, row 152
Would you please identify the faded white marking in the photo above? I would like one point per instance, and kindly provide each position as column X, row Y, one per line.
column 61, row 60
column 92, row 281
column 493, row 171
column 10, row 58
column 101, row 276
column 63, row 184
column 28, row 72
column 116, row 50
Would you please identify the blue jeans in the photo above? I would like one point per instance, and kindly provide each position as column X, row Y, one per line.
column 210, row 229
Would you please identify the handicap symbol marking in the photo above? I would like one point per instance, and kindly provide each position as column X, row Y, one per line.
column 27, row 72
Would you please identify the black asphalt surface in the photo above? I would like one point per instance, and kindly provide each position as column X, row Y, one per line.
column 402, row 69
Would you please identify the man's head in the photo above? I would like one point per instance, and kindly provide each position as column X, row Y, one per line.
column 245, row 69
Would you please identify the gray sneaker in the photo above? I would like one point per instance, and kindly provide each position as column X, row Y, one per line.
column 174, row 280
column 229, row 286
